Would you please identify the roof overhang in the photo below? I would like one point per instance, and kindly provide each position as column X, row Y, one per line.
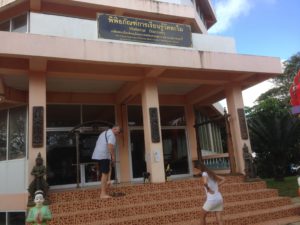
column 199, row 77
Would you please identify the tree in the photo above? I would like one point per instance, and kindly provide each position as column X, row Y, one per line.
column 283, row 82
column 273, row 130
column 275, row 136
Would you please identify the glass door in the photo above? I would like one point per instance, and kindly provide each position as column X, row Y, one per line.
column 61, row 158
column 137, row 146
column 63, row 169
column 89, row 168
column 175, row 150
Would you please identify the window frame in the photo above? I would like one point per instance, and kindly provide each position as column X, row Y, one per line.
column 17, row 211
column 8, row 118
column 11, row 22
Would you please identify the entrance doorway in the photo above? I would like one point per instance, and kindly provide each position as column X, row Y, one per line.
column 137, row 147
column 62, row 159
column 174, row 140
column 174, row 150
column 65, row 166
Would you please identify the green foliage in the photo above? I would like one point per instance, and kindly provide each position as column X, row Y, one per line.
column 274, row 132
column 291, row 67
column 275, row 135
column 288, row 187
column 283, row 82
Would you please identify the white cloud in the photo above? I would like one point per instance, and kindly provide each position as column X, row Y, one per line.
column 251, row 94
column 227, row 11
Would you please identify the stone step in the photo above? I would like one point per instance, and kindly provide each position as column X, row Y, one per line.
column 250, row 195
column 92, row 193
column 166, row 206
column 178, row 201
column 169, row 205
column 252, row 205
column 190, row 217
column 288, row 220
column 292, row 220
column 133, row 199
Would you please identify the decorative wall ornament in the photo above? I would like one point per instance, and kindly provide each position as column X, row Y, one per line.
column 37, row 126
column 243, row 124
column 155, row 136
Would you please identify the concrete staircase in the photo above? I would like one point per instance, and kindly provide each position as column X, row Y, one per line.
column 175, row 202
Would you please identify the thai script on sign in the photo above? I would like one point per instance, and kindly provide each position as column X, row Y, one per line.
column 147, row 24
column 141, row 30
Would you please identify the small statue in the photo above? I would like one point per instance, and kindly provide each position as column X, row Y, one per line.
column 39, row 214
column 146, row 176
column 250, row 169
column 168, row 172
column 39, row 182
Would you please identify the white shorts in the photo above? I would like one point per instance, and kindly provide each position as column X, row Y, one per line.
column 213, row 205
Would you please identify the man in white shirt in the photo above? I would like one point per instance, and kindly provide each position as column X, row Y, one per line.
column 104, row 153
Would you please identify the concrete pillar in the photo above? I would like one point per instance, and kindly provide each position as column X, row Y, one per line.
column 192, row 138
column 36, row 97
column 238, row 125
column 123, row 156
column 153, row 148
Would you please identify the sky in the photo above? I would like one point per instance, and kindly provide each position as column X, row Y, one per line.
column 259, row 27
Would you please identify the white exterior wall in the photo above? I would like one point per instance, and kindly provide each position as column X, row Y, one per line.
column 53, row 25
column 181, row 2
column 13, row 176
column 63, row 26
column 212, row 43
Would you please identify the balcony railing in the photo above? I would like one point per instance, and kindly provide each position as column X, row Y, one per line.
column 217, row 161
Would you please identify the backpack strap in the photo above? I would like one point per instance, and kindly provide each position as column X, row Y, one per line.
column 106, row 137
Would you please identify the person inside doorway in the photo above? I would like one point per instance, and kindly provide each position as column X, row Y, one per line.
column 214, row 199
column 104, row 154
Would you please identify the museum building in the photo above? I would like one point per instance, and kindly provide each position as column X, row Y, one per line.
column 70, row 69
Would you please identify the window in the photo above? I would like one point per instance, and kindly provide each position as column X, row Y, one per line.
column 200, row 13
column 172, row 116
column 5, row 26
column 73, row 115
column 15, row 24
column 13, row 133
column 98, row 112
column 3, row 134
column 210, row 137
column 15, row 218
column 63, row 115
column 17, row 133
column 135, row 115
column 19, row 24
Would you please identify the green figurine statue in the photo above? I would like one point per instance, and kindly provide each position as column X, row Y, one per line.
column 39, row 214
column 39, row 182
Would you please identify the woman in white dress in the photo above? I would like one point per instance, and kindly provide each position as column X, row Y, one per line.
column 214, row 199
